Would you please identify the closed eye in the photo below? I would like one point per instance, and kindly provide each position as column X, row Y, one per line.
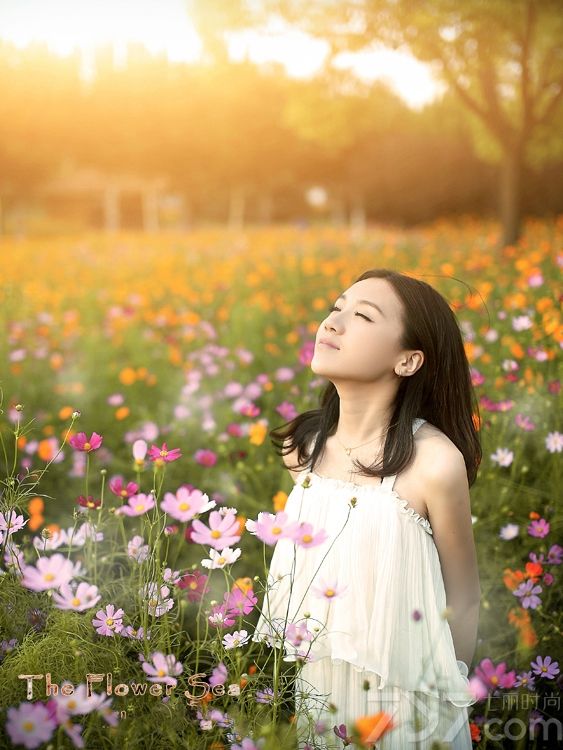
column 365, row 317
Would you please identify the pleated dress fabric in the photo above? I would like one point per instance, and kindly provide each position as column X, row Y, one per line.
column 385, row 632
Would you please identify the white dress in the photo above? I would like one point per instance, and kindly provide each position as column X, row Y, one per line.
column 386, row 628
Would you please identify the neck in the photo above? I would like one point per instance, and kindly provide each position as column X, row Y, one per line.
column 364, row 415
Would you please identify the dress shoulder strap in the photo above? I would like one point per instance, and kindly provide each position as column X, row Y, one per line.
column 390, row 481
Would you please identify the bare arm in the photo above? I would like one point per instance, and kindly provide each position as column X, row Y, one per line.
column 449, row 511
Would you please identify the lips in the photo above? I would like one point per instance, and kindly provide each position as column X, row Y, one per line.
column 328, row 343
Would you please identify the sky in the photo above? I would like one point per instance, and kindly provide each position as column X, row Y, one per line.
column 164, row 26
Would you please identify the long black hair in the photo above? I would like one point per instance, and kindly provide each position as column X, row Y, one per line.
column 440, row 391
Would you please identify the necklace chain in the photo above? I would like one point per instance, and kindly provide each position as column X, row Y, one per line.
column 349, row 450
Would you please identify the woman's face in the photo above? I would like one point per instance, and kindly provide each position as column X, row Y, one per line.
column 367, row 338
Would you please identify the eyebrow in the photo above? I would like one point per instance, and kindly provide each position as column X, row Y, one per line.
column 366, row 302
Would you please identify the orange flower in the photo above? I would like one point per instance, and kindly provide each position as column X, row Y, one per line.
column 475, row 732
column 127, row 376
column 122, row 412
column 512, row 578
column 257, row 433
column 244, row 584
column 35, row 505
column 279, row 501
column 533, row 570
column 533, row 515
column 371, row 728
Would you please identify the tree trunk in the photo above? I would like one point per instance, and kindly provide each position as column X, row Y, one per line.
column 510, row 196
column 357, row 216
column 265, row 207
column 237, row 202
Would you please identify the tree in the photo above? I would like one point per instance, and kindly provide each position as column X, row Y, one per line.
column 502, row 58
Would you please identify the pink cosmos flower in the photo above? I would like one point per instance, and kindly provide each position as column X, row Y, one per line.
column 48, row 573
column 195, row 584
column 85, row 597
column 205, row 458
column 186, row 504
column 11, row 522
column 220, row 617
column 108, row 621
column 162, row 668
column 137, row 505
column 222, row 531
column 270, row 528
column 139, row 451
column 124, row 491
column 329, row 590
column 539, row 528
column 160, row 456
column 296, row 633
column 239, row 602
column 30, row 724
column 157, row 600
column 218, row 675
column 304, row 536
column 495, row 676
column 81, row 442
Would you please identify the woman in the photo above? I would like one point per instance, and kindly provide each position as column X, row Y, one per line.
column 384, row 613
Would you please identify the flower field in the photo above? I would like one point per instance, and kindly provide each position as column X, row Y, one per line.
column 140, row 493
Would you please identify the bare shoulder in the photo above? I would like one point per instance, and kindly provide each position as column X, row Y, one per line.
column 440, row 460
column 290, row 460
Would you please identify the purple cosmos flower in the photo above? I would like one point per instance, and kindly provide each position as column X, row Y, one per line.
column 545, row 667
column 264, row 696
column 108, row 621
column 525, row 679
column 527, row 592
column 555, row 555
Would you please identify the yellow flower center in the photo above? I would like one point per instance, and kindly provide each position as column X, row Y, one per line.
column 123, row 493
column 184, row 506
column 75, row 602
column 139, row 507
column 161, row 672
column 71, row 704
column 28, row 726
column 48, row 577
column 87, row 446
column 221, row 560
column 276, row 530
column 193, row 585
column 329, row 592
column 494, row 679
column 109, row 622
column 307, row 538
column 215, row 534
column 163, row 453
